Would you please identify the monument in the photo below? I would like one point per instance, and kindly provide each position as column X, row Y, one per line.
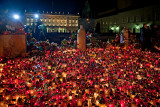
column 12, row 45
column 126, row 37
column 12, row 38
column 81, row 39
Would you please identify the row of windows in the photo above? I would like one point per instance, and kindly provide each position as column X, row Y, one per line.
column 62, row 21
column 31, row 20
column 58, row 24
column 49, row 24
column 109, row 22
column 60, row 18
column 73, row 24
column 133, row 19
column 46, row 20
column 55, row 23
column 61, row 31
column 140, row 19
column 49, row 20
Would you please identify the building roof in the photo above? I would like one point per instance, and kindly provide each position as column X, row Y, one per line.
column 55, row 14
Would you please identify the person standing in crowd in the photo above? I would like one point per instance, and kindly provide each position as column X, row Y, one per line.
column 141, row 36
column 154, row 31
column 117, row 40
column 154, row 37
column 121, row 36
column 146, row 38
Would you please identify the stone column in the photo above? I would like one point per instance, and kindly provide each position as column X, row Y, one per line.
column 81, row 39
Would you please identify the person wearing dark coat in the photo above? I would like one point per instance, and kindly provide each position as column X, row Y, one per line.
column 154, row 31
column 154, row 37
column 146, row 41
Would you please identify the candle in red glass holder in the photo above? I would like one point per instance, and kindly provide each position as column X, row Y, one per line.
column 122, row 103
column 27, row 92
column 2, row 104
column 120, row 88
column 79, row 103
column 97, row 102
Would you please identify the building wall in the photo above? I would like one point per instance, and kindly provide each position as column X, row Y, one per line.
column 54, row 23
column 133, row 19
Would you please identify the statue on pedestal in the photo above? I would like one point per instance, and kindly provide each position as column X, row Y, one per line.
column 81, row 39
column 126, row 37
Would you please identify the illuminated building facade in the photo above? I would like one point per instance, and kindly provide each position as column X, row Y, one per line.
column 60, row 23
column 132, row 19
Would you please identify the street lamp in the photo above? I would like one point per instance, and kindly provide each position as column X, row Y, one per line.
column 36, row 16
column 112, row 28
column 137, row 27
column 16, row 16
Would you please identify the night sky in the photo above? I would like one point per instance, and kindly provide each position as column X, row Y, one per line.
column 34, row 5
column 73, row 6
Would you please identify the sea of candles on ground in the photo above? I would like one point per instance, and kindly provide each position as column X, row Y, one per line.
column 110, row 77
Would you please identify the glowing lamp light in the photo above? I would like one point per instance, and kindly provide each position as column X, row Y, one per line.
column 16, row 17
column 36, row 16
column 138, row 27
column 117, row 28
column 112, row 28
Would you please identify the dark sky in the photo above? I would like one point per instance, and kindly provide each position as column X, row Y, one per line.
column 73, row 6
column 34, row 5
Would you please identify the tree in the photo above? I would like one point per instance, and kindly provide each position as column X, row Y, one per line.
column 97, row 28
column 86, row 13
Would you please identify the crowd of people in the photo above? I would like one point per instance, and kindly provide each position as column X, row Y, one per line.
column 111, row 76
column 149, row 37
column 35, row 47
column 98, row 77
column 148, row 40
